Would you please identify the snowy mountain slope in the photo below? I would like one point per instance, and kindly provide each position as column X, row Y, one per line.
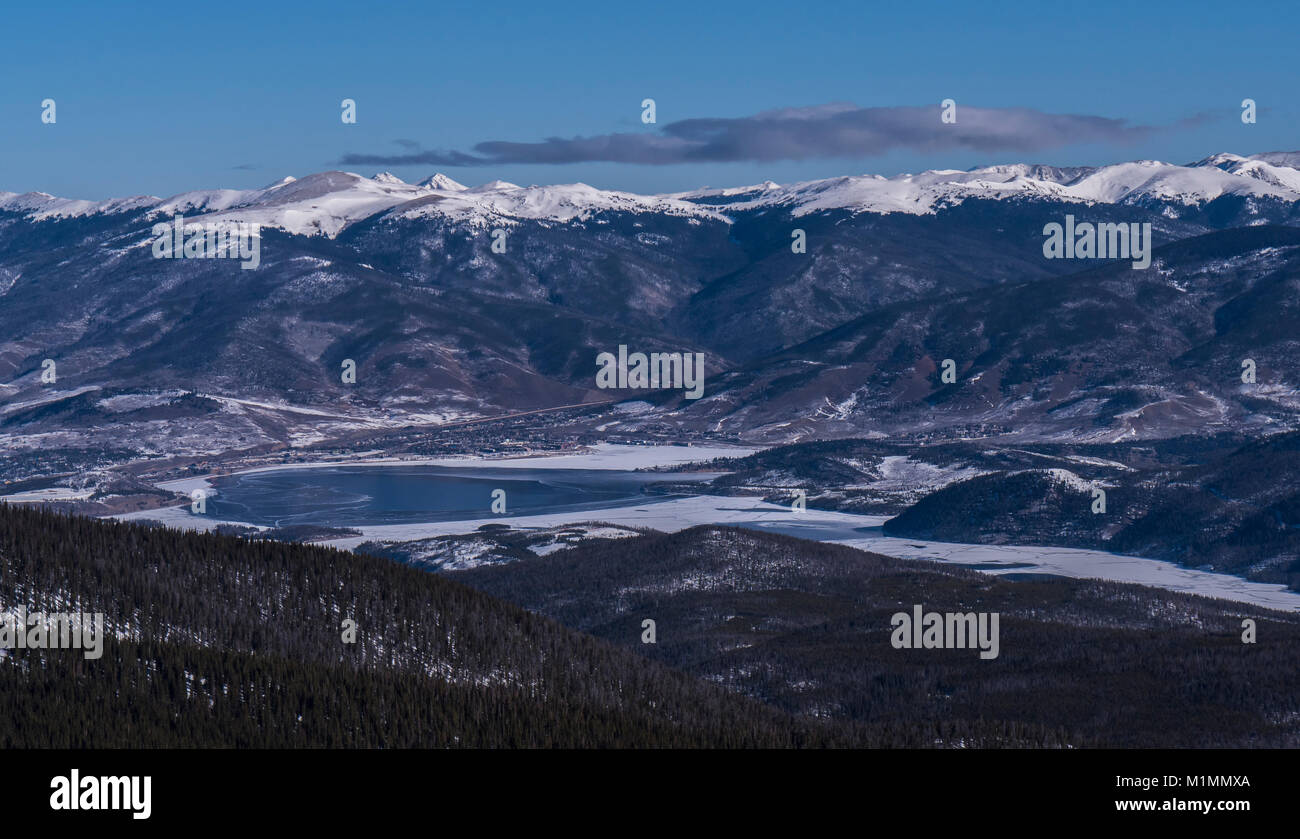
column 1280, row 169
column 561, row 203
column 1290, row 159
column 320, row 204
column 40, row 206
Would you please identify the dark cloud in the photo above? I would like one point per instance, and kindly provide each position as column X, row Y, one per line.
column 820, row 131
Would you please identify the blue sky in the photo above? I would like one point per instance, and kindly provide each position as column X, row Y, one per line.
column 161, row 98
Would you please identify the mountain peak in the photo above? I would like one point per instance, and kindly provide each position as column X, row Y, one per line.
column 1290, row 159
column 495, row 186
column 1219, row 161
column 387, row 178
column 442, row 183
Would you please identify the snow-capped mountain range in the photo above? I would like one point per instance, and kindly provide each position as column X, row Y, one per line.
column 328, row 202
column 192, row 358
column 1271, row 176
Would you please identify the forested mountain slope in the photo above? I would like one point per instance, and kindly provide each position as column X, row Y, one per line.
column 218, row 641
column 806, row 627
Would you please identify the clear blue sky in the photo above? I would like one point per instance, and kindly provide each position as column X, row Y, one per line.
column 160, row 98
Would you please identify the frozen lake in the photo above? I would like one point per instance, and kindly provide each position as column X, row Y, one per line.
column 414, row 501
column 360, row 496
